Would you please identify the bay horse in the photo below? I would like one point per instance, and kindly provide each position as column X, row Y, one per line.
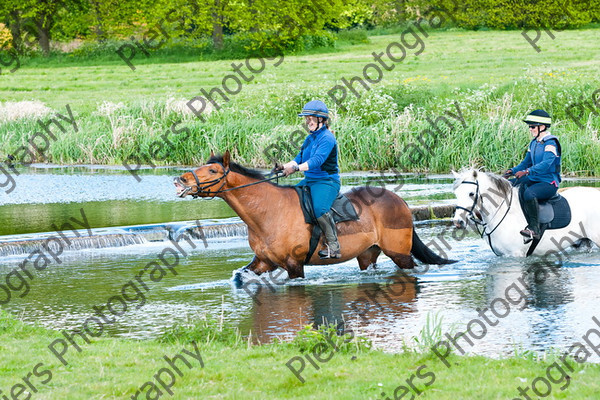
column 493, row 203
column 278, row 234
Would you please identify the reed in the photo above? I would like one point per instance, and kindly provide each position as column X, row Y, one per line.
column 375, row 132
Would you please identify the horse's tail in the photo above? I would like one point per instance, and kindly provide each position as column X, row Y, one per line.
column 424, row 254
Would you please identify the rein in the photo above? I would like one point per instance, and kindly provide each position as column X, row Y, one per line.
column 201, row 188
column 504, row 216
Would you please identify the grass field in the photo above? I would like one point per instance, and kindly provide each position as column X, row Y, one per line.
column 117, row 369
column 494, row 77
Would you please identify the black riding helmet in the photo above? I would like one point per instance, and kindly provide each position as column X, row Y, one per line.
column 538, row 117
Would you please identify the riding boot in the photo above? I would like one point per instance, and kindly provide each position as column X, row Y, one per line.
column 327, row 225
column 532, row 231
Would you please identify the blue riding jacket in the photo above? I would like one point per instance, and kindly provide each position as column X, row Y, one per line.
column 319, row 150
column 542, row 160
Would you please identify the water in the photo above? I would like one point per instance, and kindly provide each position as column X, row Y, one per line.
column 389, row 307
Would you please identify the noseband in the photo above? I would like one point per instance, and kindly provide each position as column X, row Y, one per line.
column 201, row 187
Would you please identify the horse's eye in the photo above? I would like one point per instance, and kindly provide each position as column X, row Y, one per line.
column 471, row 194
column 212, row 171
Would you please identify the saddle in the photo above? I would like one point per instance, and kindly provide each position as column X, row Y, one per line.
column 342, row 210
column 554, row 213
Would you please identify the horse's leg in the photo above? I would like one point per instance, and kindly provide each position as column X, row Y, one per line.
column 252, row 263
column 368, row 257
column 237, row 279
column 295, row 268
column 396, row 244
column 260, row 266
column 403, row 261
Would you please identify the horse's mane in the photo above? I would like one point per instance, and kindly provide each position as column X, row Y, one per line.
column 235, row 167
column 501, row 183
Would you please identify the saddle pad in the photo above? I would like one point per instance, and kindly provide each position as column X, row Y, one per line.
column 554, row 213
column 561, row 213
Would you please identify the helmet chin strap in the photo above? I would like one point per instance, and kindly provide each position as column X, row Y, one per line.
column 539, row 131
column 320, row 123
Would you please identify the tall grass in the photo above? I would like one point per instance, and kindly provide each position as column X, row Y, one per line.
column 329, row 337
column 204, row 331
column 387, row 127
column 431, row 333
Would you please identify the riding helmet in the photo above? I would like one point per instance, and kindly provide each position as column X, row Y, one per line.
column 316, row 108
column 538, row 117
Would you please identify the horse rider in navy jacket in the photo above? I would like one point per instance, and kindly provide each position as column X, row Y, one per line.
column 539, row 171
column 318, row 159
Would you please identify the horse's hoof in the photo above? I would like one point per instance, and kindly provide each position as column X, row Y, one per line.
column 237, row 279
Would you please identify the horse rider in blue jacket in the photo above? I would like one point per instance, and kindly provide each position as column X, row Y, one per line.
column 539, row 171
column 318, row 159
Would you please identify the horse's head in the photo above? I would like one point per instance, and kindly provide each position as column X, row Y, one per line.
column 204, row 181
column 467, row 191
column 479, row 195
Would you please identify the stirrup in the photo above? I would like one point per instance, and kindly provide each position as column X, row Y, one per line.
column 325, row 254
column 528, row 235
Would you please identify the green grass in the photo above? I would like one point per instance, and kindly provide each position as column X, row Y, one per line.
column 494, row 76
column 112, row 368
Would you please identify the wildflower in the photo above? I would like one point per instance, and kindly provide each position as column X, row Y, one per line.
column 12, row 111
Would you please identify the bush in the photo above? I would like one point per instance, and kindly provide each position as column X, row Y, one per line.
column 353, row 36
column 92, row 49
column 513, row 14
column 5, row 37
column 239, row 45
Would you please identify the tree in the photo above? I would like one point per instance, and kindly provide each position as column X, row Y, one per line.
column 11, row 15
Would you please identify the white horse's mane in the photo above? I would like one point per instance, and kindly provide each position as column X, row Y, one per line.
column 472, row 172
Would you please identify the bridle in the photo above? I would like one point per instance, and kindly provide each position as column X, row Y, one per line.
column 469, row 211
column 479, row 221
column 201, row 187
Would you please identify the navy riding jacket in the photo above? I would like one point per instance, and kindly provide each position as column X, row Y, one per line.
column 542, row 160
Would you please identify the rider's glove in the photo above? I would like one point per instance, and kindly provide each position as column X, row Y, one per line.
column 521, row 174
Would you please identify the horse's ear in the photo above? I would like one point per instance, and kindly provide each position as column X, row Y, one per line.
column 455, row 174
column 212, row 154
column 226, row 158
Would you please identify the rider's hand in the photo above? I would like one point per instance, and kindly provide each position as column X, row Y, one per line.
column 278, row 167
column 290, row 169
column 521, row 174
column 507, row 173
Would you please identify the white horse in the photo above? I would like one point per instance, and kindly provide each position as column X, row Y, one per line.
column 493, row 203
